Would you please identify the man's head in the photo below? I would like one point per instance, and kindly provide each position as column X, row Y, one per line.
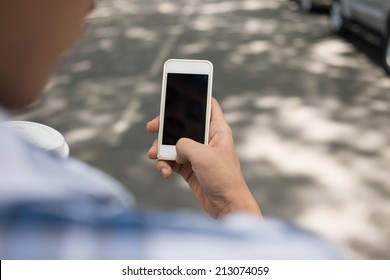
column 33, row 36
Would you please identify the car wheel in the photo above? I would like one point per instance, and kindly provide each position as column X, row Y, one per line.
column 337, row 20
column 386, row 54
column 306, row 5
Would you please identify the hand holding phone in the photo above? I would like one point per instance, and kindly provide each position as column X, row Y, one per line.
column 185, row 104
column 212, row 171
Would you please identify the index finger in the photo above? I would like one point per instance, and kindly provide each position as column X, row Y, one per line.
column 216, row 111
column 153, row 125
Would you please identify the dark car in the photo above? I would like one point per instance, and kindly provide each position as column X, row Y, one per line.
column 372, row 15
column 309, row 5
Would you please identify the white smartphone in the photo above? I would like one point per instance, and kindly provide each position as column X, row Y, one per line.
column 185, row 104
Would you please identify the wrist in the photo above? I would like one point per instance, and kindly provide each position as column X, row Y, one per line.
column 241, row 202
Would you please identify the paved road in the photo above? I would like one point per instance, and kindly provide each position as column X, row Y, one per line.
column 310, row 110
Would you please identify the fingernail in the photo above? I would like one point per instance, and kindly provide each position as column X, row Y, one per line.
column 150, row 150
column 164, row 172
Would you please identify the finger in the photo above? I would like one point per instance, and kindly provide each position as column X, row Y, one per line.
column 153, row 125
column 152, row 153
column 218, row 124
column 164, row 168
column 216, row 111
column 187, row 150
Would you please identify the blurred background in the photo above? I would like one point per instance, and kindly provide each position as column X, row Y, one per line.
column 309, row 108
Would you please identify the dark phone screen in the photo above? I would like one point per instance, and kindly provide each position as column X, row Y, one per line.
column 185, row 107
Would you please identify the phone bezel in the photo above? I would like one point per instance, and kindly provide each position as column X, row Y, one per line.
column 183, row 66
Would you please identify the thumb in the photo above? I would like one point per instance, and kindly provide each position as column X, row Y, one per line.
column 187, row 150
